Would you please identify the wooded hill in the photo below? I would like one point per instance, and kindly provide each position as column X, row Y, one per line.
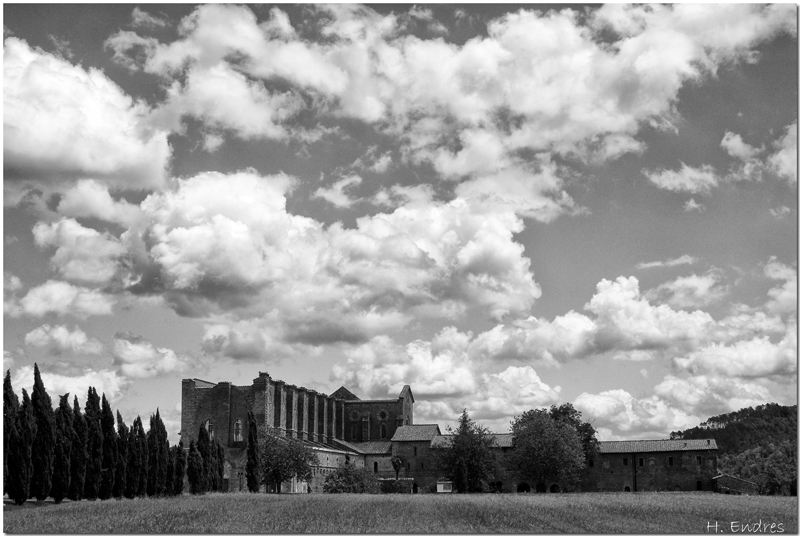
column 757, row 444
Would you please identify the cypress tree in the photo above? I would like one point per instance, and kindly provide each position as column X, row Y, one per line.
column 195, row 470
column 221, row 466
column 21, row 461
column 121, row 470
column 141, row 443
column 94, row 446
column 63, row 451
column 110, row 439
column 134, row 464
column 10, row 409
column 79, row 454
column 253, row 468
column 169, row 485
column 180, row 467
column 211, row 467
column 44, row 442
column 157, row 446
column 204, row 449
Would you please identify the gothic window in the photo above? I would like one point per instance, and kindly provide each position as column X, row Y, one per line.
column 383, row 431
column 237, row 430
column 382, row 414
column 415, row 451
column 209, row 428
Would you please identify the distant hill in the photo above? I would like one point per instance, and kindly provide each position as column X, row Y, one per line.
column 758, row 444
column 747, row 428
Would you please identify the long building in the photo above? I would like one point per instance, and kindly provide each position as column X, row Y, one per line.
column 342, row 429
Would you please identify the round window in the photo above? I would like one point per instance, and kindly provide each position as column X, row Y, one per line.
column 382, row 414
column 353, row 415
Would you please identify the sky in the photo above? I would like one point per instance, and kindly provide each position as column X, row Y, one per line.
column 505, row 207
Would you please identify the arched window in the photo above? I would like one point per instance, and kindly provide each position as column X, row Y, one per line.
column 237, row 430
column 383, row 431
column 209, row 428
column 375, row 467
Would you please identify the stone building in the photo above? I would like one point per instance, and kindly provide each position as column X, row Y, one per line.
column 344, row 429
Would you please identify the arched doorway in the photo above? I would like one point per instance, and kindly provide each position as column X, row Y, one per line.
column 554, row 488
column 699, row 485
column 627, row 488
column 541, row 487
column 523, row 487
column 414, row 488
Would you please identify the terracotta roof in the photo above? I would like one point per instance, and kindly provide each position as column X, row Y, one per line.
column 500, row 441
column 368, row 447
column 416, row 432
column 655, row 445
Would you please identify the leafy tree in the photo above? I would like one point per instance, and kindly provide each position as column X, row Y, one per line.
column 195, row 470
column 468, row 460
column 397, row 464
column 10, row 408
column 79, row 455
column 63, row 450
column 546, row 449
column 94, row 446
column 349, row 479
column 44, row 442
column 121, row 469
column 110, row 445
column 253, row 468
column 773, row 468
column 284, row 458
column 144, row 457
column 588, row 435
column 26, row 427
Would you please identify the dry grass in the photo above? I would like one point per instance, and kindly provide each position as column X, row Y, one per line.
column 570, row 513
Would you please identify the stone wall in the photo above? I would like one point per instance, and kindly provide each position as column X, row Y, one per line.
column 652, row 472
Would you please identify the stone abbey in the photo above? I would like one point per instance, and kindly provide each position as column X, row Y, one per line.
column 341, row 428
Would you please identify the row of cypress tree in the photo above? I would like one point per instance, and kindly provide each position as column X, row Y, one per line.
column 67, row 453
column 206, row 464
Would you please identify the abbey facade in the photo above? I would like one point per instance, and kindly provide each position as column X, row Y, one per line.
column 343, row 429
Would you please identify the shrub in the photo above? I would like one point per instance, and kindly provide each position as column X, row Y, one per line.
column 349, row 479
column 397, row 486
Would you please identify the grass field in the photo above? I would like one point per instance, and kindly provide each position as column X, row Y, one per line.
column 545, row 513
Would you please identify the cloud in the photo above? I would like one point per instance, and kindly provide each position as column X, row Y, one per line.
column 91, row 199
column 691, row 291
column 683, row 259
column 691, row 205
column 62, row 122
column 336, row 193
column 784, row 160
column 138, row 358
column 59, row 339
column 142, row 18
column 106, row 382
column 780, row 212
column 82, row 254
column 783, row 299
column 63, row 298
column 737, row 148
column 687, row 179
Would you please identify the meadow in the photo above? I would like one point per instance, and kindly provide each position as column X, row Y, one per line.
column 534, row 513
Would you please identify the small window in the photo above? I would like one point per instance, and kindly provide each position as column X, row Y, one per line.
column 421, row 466
column 624, row 461
column 353, row 431
column 699, row 460
column 209, row 428
column 641, row 462
column 237, row 430
column 415, row 451
column 375, row 467
column 591, row 463
column 383, row 431
column 409, row 466
column 669, row 461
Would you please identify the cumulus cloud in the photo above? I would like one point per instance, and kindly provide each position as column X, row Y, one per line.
column 737, row 148
column 226, row 243
column 783, row 299
column 692, row 205
column 691, row 291
column 780, row 212
column 138, row 358
column 142, row 18
column 106, row 381
column 683, row 259
column 62, row 122
column 63, row 298
column 91, row 199
column 686, row 179
column 59, row 339
column 784, row 159
column 336, row 194
column 82, row 254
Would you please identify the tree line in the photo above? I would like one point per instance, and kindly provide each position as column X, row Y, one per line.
column 74, row 454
